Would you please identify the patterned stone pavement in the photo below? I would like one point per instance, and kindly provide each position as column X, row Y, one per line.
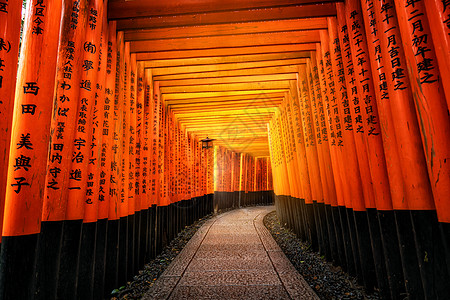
column 232, row 256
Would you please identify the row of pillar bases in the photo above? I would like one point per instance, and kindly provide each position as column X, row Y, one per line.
column 237, row 199
column 76, row 260
column 402, row 254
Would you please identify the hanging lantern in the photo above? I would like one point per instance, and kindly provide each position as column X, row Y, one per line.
column 207, row 143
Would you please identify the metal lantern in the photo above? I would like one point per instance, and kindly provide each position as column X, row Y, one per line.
column 207, row 143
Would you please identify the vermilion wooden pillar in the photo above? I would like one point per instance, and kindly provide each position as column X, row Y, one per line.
column 372, row 134
column 355, row 106
column 139, row 191
column 120, row 126
column 9, row 36
column 155, row 143
column 29, row 145
column 96, row 160
column 323, row 152
column 430, row 101
column 308, row 179
column 125, row 143
column 90, row 233
column 319, row 92
column 290, row 187
column 334, row 125
column 349, row 157
column 286, row 127
column 79, row 172
column 302, row 110
column 438, row 13
column 412, row 161
column 133, row 217
column 147, row 168
column 434, row 121
column 72, row 242
column 62, row 131
column 103, row 259
column 112, row 242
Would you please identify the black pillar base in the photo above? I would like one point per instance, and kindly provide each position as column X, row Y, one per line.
column 445, row 235
column 391, row 251
column 18, row 266
column 123, row 250
column 112, row 256
column 379, row 257
column 350, row 220
column 137, row 241
column 152, row 232
column 70, row 253
column 311, row 230
column 100, row 258
column 340, row 219
column 85, row 281
column 143, row 237
column 48, row 251
column 431, row 254
column 130, row 252
column 365, row 250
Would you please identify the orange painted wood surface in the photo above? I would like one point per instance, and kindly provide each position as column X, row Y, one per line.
column 369, row 109
column 349, row 155
column 96, row 157
column 31, row 119
column 429, row 98
column 79, row 169
column 107, row 127
column 9, row 50
column 355, row 108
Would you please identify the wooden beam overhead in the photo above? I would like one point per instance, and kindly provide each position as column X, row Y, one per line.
column 197, row 18
column 221, row 109
column 225, row 29
column 218, row 94
column 231, row 41
column 224, row 119
column 244, row 103
column 268, row 85
column 196, row 53
column 163, row 63
column 224, row 67
column 234, row 79
column 270, row 70
column 227, row 120
column 253, row 97
column 126, row 9
column 234, row 112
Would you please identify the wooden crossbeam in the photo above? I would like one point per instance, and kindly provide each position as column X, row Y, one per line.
column 220, row 17
column 226, row 99
column 244, row 40
column 163, row 63
column 269, row 70
column 218, row 94
column 268, row 85
column 215, row 52
column 224, row 67
column 220, row 105
column 225, row 29
column 231, row 79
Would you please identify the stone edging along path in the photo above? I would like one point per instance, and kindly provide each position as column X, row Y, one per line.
column 232, row 256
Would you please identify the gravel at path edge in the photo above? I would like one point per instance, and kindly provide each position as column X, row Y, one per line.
column 327, row 280
column 152, row 270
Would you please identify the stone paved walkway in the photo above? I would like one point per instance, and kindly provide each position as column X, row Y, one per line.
column 232, row 256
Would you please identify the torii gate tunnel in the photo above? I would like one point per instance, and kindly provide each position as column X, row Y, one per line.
column 337, row 111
